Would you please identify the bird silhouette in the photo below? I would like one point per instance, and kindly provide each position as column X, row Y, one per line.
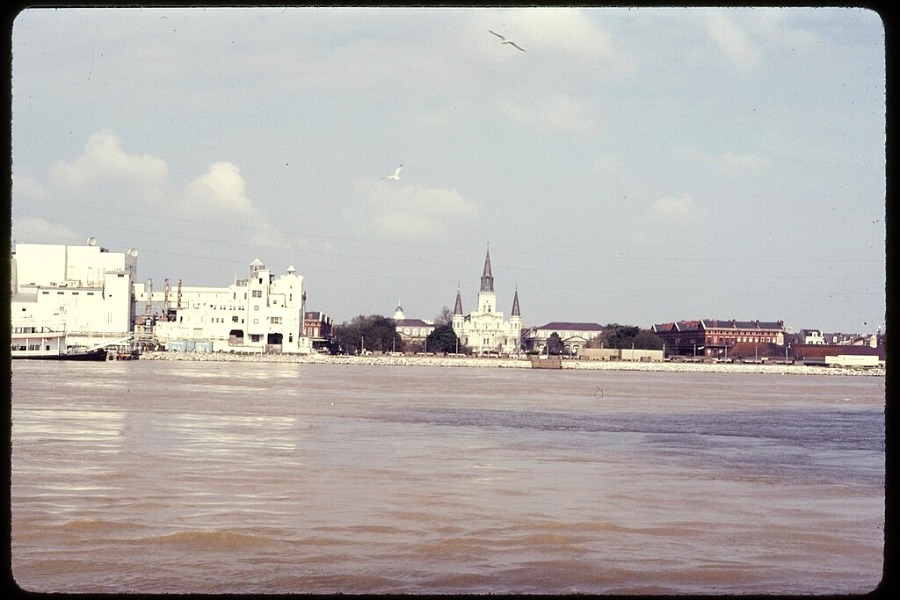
column 506, row 41
column 396, row 175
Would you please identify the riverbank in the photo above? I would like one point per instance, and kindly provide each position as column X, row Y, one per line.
column 510, row 363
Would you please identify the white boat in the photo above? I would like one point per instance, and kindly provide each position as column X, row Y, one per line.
column 48, row 342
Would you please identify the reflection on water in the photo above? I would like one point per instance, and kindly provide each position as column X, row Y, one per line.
column 277, row 478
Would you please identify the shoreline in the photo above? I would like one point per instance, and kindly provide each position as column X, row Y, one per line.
column 513, row 363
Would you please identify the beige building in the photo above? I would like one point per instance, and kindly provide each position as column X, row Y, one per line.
column 260, row 314
column 484, row 330
column 413, row 332
column 573, row 336
column 84, row 290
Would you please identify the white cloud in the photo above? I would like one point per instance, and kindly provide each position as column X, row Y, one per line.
column 411, row 212
column 26, row 188
column 103, row 165
column 733, row 43
column 743, row 162
column 34, row 230
column 105, row 173
column 221, row 189
column 747, row 162
column 554, row 114
column 606, row 164
column 681, row 208
column 571, row 32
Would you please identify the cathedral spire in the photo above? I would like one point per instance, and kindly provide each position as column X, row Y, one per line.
column 487, row 280
column 515, row 308
column 457, row 310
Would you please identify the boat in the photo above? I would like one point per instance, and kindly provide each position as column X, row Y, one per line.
column 48, row 342
column 93, row 354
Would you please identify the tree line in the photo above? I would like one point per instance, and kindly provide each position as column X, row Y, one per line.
column 377, row 333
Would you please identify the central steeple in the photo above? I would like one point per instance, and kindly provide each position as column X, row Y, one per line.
column 487, row 280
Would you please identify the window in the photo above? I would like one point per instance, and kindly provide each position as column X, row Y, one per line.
column 257, row 293
column 276, row 320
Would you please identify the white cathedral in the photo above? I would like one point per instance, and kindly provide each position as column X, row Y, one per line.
column 484, row 330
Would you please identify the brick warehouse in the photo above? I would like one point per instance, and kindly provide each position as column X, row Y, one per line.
column 713, row 337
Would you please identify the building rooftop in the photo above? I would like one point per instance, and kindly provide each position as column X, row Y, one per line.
column 572, row 326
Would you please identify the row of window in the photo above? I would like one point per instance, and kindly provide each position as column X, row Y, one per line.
column 61, row 292
column 28, row 348
column 236, row 319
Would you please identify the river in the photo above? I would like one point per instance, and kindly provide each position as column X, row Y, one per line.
column 258, row 478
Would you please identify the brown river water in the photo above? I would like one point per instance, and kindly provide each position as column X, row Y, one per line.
column 258, row 478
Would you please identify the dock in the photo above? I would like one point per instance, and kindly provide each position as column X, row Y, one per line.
column 546, row 362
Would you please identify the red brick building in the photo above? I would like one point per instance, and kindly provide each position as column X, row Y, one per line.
column 714, row 337
column 319, row 327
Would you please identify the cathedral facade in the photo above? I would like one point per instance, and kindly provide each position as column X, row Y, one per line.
column 484, row 330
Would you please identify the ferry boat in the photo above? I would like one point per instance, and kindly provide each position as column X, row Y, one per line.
column 48, row 342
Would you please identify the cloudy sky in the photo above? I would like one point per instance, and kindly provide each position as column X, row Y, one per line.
column 632, row 166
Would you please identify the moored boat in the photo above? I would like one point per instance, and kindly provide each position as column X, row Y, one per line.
column 48, row 342
column 94, row 354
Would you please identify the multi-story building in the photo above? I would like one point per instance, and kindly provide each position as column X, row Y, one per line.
column 484, row 330
column 413, row 332
column 572, row 335
column 85, row 290
column 714, row 337
column 319, row 328
column 260, row 314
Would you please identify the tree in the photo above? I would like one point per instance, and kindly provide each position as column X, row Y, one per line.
column 443, row 339
column 555, row 344
column 373, row 332
column 445, row 317
column 626, row 336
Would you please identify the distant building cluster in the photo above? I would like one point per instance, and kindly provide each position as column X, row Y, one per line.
column 82, row 296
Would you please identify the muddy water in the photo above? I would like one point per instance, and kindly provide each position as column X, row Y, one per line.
column 180, row 477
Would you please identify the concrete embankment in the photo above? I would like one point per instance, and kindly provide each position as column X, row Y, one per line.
column 437, row 361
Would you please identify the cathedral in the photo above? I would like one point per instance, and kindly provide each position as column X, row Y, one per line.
column 484, row 330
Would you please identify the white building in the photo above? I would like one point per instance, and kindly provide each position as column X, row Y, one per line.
column 260, row 314
column 573, row 336
column 412, row 331
column 87, row 290
column 484, row 330
column 811, row 336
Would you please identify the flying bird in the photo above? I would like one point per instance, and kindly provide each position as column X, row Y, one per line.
column 506, row 41
column 396, row 175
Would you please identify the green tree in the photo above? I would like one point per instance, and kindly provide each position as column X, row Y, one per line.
column 647, row 340
column 626, row 336
column 443, row 339
column 373, row 332
column 555, row 344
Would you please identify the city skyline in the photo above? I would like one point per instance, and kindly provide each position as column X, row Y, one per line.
column 634, row 166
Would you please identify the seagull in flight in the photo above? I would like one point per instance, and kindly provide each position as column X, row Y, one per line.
column 396, row 175
column 506, row 41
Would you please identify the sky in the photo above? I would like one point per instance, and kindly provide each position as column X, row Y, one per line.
column 631, row 166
